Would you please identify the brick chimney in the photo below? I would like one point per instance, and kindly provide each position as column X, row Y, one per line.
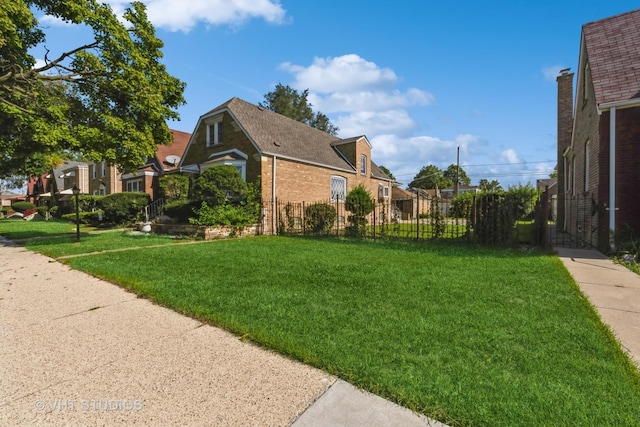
column 565, row 129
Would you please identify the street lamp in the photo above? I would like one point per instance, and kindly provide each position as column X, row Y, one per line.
column 76, row 192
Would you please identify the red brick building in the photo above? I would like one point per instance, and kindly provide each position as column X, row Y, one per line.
column 599, row 133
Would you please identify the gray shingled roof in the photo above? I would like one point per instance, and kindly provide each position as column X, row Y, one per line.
column 276, row 134
column 613, row 49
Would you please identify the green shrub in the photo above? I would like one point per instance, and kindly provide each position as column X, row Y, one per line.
column 179, row 210
column 319, row 218
column 124, row 208
column 494, row 219
column 174, row 187
column 42, row 210
column 92, row 218
column 87, row 203
column 462, row 205
column 360, row 203
column 218, row 185
column 54, row 211
column 224, row 214
column 522, row 199
column 22, row 206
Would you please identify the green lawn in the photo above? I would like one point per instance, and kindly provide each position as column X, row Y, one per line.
column 17, row 228
column 467, row 335
column 106, row 241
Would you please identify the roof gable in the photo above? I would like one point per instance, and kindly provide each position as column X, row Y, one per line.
column 276, row 135
column 613, row 50
column 177, row 148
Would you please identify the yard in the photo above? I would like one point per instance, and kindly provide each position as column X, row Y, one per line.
column 465, row 334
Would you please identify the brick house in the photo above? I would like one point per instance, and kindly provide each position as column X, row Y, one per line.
column 104, row 179
column 598, row 133
column 167, row 158
column 295, row 162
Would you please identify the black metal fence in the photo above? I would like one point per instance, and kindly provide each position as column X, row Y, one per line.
column 488, row 220
column 571, row 221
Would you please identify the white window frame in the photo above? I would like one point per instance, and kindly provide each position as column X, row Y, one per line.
column 216, row 138
column 335, row 192
column 95, row 171
column 102, row 191
column 363, row 164
column 135, row 185
column 104, row 169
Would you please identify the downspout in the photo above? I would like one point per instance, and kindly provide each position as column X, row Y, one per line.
column 273, row 195
column 612, row 174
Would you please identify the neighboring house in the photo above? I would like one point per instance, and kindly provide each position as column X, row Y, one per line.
column 295, row 162
column 550, row 186
column 7, row 199
column 59, row 182
column 412, row 202
column 104, row 179
column 447, row 193
column 598, row 133
column 166, row 160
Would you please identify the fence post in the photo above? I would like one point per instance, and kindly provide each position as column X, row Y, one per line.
column 417, row 214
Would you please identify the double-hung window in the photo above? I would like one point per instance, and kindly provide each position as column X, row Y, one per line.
column 363, row 164
column 214, row 133
column 338, row 188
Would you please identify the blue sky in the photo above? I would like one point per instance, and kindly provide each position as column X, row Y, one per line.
column 418, row 78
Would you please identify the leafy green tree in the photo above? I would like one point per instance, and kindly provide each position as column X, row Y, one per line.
column 454, row 172
column 387, row 171
column 108, row 99
column 289, row 102
column 430, row 176
column 523, row 199
column 219, row 184
column 489, row 187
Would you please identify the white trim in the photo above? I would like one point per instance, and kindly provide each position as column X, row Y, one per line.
column 138, row 174
column 612, row 170
column 233, row 150
column 625, row 103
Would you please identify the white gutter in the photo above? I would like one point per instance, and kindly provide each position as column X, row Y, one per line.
column 625, row 103
column 273, row 195
column 612, row 172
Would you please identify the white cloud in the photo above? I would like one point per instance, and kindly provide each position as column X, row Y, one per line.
column 552, row 72
column 181, row 15
column 369, row 100
column 375, row 123
column 363, row 92
column 342, row 73
column 510, row 156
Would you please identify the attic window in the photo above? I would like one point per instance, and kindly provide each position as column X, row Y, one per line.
column 214, row 134
column 363, row 164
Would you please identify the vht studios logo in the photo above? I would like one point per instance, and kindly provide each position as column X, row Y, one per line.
column 58, row 405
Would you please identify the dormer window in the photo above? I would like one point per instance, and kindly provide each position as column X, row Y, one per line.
column 214, row 133
column 363, row 164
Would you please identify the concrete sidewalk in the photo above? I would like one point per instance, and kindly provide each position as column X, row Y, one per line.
column 612, row 289
column 75, row 350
